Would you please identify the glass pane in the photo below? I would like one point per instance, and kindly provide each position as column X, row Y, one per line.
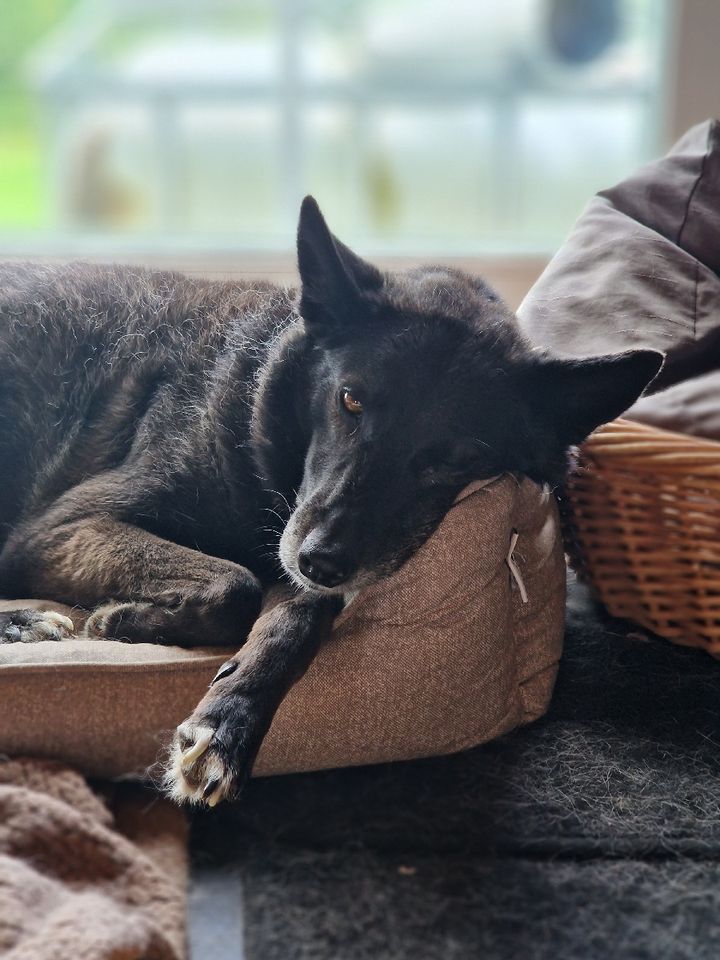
column 566, row 152
column 231, row 170
column 105, row 166
column 427, row 177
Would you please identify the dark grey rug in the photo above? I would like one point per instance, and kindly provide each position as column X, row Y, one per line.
column 594, row 833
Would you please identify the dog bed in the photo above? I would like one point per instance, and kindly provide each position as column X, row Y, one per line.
column 458, row 646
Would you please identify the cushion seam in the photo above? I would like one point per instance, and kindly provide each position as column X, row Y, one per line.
column 79, row 666
column 531, row 714
column 691, row 195
column 466, row 741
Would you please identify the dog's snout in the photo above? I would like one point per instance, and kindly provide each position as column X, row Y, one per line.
column 322, row 563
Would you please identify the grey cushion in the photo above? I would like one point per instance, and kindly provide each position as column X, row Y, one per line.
column 639, row 268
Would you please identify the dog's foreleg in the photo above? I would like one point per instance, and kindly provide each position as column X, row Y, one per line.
column 141, row 587
column 213, row 751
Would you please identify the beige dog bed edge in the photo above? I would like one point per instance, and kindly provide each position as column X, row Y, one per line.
column 443, row 655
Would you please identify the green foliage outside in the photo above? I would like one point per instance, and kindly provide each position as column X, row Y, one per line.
column 24, row 24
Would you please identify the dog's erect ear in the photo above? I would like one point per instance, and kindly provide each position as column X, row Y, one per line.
column 579, row 395
column 335, row 281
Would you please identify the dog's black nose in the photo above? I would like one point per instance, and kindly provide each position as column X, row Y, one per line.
column 321, row 564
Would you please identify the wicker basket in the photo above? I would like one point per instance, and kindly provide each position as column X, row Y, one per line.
column 642, row 526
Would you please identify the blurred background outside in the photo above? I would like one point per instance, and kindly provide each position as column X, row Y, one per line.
column 461, row 128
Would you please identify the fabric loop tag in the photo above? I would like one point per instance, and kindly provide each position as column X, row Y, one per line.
column 514, row 569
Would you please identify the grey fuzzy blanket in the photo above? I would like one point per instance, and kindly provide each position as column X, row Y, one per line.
column 594, row 833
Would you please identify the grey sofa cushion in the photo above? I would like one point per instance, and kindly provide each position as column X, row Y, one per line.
column 640, row 267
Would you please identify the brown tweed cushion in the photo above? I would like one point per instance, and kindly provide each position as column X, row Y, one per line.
column 443, row 655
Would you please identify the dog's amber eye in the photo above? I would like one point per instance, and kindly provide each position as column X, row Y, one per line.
column 352, row 405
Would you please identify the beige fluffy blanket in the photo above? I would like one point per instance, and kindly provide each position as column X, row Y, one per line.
column 82, row 878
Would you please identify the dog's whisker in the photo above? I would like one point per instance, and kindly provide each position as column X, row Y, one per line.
column 282, row 519
column 282, row 496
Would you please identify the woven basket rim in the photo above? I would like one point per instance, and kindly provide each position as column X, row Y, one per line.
column 643, row 448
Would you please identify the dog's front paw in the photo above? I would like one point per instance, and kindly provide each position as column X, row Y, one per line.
column 130, row 622
column 213, row 751
column 34, row 626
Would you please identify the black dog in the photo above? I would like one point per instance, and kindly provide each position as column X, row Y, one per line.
column 169, row 446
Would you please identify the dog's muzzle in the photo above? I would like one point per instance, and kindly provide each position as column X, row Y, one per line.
column 322, row 563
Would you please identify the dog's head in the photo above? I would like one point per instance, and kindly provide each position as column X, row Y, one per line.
column 422, row 383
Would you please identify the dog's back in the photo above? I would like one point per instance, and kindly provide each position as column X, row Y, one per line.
column 91, row 357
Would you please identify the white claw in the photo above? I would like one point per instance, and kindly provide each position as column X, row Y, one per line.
column 59, row 619
column 215, row 770
column 204, row 735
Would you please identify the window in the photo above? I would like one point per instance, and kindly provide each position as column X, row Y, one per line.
column 464, row 128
